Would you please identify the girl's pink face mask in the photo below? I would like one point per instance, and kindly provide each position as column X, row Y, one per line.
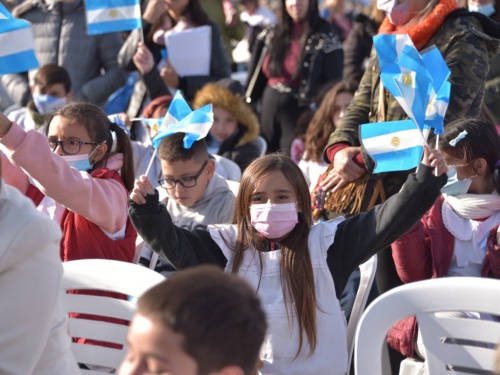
column 399, row 14
column 273, row 221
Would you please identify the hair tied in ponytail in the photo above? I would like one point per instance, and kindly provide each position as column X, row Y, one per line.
column 117, row 122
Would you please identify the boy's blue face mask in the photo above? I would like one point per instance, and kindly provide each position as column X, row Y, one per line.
column 454, row 186
column 46, row 104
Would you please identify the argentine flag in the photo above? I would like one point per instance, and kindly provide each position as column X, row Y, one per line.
column 404, row 74
column 109, row 16
column 440, row 91
column 181, row 119
column 17, row 45
column 394, row 145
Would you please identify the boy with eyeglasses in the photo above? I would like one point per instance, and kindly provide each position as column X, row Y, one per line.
column 195, row 196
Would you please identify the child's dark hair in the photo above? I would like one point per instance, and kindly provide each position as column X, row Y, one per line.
column 218, row 315
column 99, row 128
column 482, row 141
column 172, row 149
column 51, row 74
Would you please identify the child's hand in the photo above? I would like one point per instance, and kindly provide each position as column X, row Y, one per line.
column 170, row 76
column 434, row 159
column 5, row 124
column 143, row 59
column 142, row 188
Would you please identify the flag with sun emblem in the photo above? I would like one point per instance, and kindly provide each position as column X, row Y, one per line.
column 110, row 16
column 418, row 81
column 396, row 146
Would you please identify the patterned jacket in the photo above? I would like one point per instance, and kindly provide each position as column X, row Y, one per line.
column 322, row 62
column 467, row 50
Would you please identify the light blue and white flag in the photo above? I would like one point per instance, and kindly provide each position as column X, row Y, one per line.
column 109, row 16
column 181, row 119
column 17, row 45
column 440, row 92
column 404, row 74
column 153, row 123
column 394, row 145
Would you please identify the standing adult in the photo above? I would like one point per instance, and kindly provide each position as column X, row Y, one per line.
column 61, row 38
column 290, row 61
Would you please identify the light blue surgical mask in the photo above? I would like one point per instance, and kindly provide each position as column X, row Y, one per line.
column 454, row 186
column 46, row 104
column 487, row 9
column 80, row 161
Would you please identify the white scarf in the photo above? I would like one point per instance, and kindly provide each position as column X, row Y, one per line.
column 474, row 206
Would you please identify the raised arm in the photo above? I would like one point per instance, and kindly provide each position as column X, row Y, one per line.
column 363, row 235
column 182, row 247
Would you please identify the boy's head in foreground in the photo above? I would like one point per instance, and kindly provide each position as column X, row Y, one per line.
column 198, row 322
column 186, row 172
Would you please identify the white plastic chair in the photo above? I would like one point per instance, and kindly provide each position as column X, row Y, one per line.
column 232, row 169
column 261, row 143
column 367, row 276
column 104, row 275
column 423, row 299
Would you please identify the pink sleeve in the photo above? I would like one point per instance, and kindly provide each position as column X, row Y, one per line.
column 101, row 201
column 13, row 175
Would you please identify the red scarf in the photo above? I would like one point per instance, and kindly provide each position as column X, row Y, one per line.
column 421, row 32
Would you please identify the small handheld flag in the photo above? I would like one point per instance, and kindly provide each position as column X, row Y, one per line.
column 17, row 45
column 109, row 16
column 418, row 81
column 181, row 119
column 394, row 145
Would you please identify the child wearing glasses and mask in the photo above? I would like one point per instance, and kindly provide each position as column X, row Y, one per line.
column 194, row 194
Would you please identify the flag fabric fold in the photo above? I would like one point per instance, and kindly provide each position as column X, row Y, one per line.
column 109, row 16
column 17, row 44
column 181, row 119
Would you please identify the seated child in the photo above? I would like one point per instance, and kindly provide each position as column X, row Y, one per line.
column 235, row 126
column 199, row 321
column 298, row 270
column 51, row 90
column 196, row 196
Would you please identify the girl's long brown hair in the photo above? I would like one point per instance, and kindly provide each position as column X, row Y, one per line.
column 297, row 277
column 322, row 125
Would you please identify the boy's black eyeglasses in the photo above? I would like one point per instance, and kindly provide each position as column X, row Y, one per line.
column 69, row 146
column 187, row 182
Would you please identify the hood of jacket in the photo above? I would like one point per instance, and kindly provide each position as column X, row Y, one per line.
column 222, row 97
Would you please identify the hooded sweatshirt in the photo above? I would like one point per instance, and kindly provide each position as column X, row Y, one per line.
column 214, row 207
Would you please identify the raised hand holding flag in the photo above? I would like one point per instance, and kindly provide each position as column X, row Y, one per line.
column 419, row 83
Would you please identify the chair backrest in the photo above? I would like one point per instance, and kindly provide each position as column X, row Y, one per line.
column 232, row 169
column 261, row 143
column 367, row 275
column 129, row 279
column 466, row 345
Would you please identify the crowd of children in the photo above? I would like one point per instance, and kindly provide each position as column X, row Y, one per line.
column 249, row 270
